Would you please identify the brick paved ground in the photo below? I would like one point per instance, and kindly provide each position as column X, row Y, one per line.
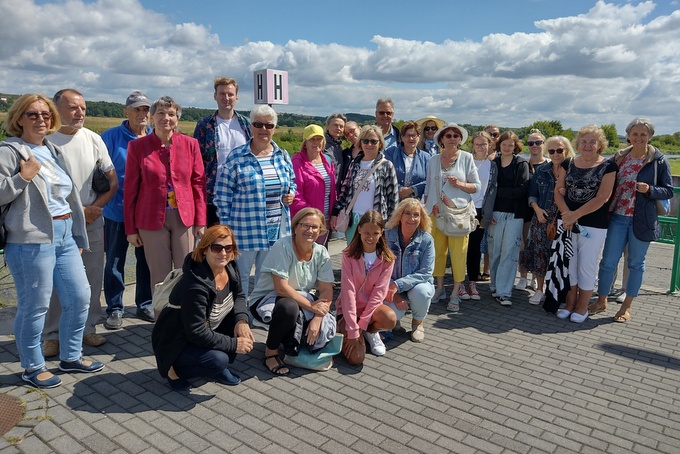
column 489, row 379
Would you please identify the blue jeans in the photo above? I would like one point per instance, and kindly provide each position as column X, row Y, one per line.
column 116, row 245
column 505, row 239
column 418, row 298
column 619, row 234
column 245, row 261
column 198, row 362
column 36, row 269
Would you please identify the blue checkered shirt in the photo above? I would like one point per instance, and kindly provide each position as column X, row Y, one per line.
column 240, row 196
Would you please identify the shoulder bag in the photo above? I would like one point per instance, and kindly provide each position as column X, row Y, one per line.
column 454, row 222
column 100, row 182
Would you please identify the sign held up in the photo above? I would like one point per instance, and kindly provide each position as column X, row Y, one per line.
column 270, row 86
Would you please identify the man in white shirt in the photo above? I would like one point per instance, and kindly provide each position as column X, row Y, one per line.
column 218, row 134
column 384, row 114
column 83, row 151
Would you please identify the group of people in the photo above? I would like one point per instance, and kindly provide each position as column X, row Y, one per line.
column 213, row 206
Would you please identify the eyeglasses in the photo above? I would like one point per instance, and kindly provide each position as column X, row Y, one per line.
column 430, row 128
column 260, row 125
column 217, row 248
column 47, row 116
column 452, row 136
column 531, row 143
column 556, row 150
column 371, row 141
column 312, row 227
column 483, row 144
column 385, row 112
column 411, row 136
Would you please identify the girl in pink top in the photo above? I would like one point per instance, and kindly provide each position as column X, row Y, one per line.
column 366, row 270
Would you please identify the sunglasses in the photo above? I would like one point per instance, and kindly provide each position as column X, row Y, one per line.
column 557, row 150
column 531, row 143
column 260, row 125
column 47, row 116
column 217, row 248
column 385, row 112
column 494, row 134
column 371, row 141
column 430, row 128
column 452, row 136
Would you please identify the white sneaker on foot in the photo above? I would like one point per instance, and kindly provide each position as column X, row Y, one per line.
column 373, row 340
column 462, row 293
column 537, row 297
column 521, row 284
column 621, row 297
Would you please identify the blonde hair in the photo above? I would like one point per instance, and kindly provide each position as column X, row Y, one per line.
column 410, row 204
column 569, row 150
column 592, row 129
column 11, row 123
column 309, row 211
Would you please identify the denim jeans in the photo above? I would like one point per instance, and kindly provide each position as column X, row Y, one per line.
column 419, row 298
column 114, row 270
column 619, row 234
column 505, row 239
column 199, row 362
column 245, row 261
column 36, row 268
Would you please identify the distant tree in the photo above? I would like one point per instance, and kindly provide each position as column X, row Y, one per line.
column 611, row 134
column 547, row 128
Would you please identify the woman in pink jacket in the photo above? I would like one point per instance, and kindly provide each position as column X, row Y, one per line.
column 164, row 192
column 366, row 270
column 314, row 177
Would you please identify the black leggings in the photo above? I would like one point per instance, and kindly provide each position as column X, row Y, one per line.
column 474, row 251
column 282, row 325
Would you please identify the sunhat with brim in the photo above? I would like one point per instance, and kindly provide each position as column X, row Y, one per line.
column 438, row 121
column 463, row 132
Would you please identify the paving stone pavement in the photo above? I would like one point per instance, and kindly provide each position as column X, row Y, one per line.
column 488, row 379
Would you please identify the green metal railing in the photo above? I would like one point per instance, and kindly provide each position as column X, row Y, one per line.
column 670, row 231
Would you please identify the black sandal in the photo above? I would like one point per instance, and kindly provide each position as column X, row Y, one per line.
column 279, row 365
column 486, row 277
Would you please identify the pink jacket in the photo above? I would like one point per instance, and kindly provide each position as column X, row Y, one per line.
column 145, row 188
column 361, row 293
column 311, row 189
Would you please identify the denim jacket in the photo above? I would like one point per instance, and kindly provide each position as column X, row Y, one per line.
column 542, row 186
column 418, row 173
column 415, row 264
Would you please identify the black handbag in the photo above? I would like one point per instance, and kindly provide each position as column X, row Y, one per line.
column 100, row 182
column 3, row 233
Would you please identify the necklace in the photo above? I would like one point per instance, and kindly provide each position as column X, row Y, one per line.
column 450, row 166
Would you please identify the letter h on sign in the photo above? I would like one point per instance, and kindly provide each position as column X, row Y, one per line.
column 270, row 86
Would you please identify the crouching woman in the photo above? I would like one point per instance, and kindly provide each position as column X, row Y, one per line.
column 206, row 322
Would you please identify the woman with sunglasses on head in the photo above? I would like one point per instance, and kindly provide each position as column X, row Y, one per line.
column 379, row 192
column 45, row 227
column 206, row 322
column 298, row 277
column 542, row 201
column 429, row 126
column 452, row 180
column 644, row 177
column 410, row 162
column 254, row 192
column 536, row 144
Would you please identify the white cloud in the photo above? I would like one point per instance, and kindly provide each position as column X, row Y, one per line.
column 606, row 65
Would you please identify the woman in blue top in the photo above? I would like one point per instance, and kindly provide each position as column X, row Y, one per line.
column 45, row 227
column 254, row 191
column 410, row 162
column 412, row 286
column 644, row 177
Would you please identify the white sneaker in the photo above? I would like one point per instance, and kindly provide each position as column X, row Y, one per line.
column 373, row 340
column 521, row 284
column 537, row 297
column 533, row 285
column 621, row 297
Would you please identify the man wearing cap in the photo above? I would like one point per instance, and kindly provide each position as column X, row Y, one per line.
column 83, row 151
column 335, row 125
column 384, row 114
column 218, row 134
column 135, row 126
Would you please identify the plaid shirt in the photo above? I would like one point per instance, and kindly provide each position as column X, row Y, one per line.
column 386, row 186
column 240, row 196
column 207, row 136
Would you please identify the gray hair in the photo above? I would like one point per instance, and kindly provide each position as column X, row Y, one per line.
column 334, row 116
column 264, row 110
column 646, row 122
column 166, row 101
column 384, row 101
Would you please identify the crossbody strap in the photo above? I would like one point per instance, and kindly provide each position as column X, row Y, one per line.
column 361, row 183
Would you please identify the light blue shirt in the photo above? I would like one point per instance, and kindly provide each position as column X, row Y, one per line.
column 58, row 183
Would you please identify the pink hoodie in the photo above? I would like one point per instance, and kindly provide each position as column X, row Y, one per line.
column 361, row 293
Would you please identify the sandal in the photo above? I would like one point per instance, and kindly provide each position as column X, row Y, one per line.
column 622, row 317
column 486, row 277
column 276, row 370
column 454, row 304
column 597, row 307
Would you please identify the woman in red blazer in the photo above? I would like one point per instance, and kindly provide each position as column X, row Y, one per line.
column 164, row 192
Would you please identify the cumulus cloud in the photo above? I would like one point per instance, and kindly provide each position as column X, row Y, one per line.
column 605, row 65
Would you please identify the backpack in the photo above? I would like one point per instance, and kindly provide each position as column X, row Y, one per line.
column 162, row 290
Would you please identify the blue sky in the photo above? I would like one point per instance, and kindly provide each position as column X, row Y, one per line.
column 504, row 62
